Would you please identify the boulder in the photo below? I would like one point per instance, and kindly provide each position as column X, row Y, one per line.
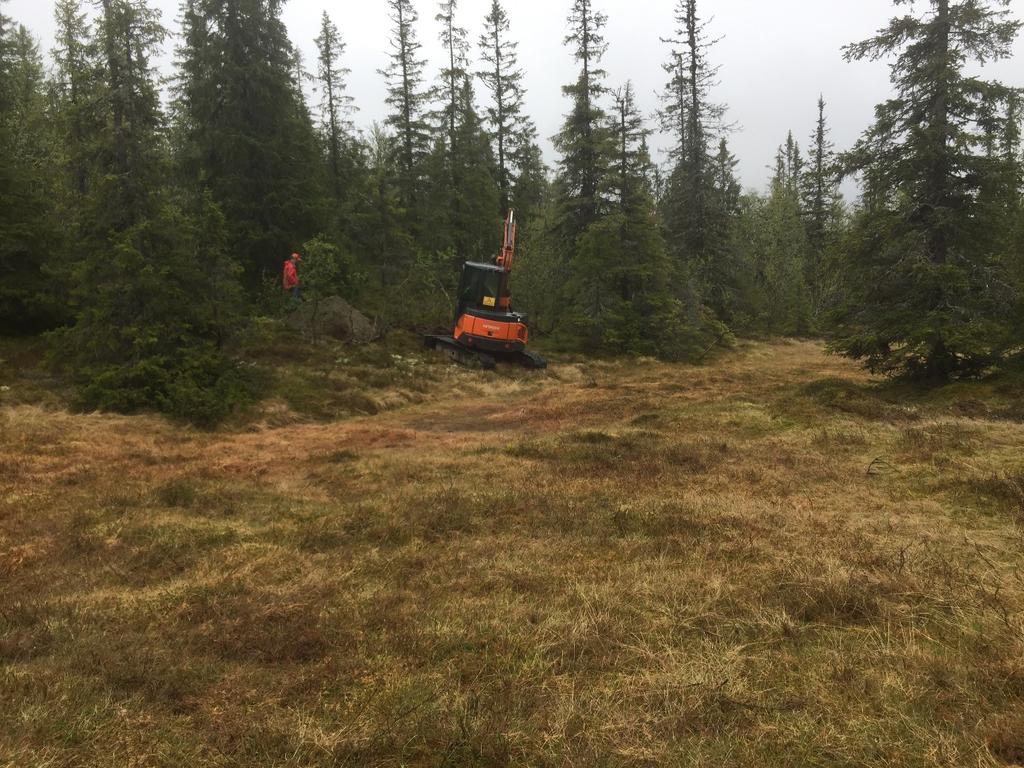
column 333, row 317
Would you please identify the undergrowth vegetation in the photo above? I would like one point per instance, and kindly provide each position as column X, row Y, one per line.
column 776, row 561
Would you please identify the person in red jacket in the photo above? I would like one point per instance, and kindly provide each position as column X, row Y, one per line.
column 291, row 277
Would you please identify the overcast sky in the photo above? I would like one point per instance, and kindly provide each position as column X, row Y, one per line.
column 775, row 58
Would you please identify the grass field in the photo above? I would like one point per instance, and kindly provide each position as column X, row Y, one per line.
column 770, row 561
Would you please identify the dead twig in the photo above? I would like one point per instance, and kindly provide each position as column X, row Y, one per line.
column 881, row 466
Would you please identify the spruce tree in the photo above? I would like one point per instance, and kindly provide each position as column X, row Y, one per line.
column 928, row 291
column 74, row 84
column 1011, row 155
column 455, row 69
column 335, row 104
column 382, row 220
column 620, row 289
column 520, row 170
column 821, row 202
column 462, row 187
column 617, row 255
column 244, row 132
column 583, row 141
column 6, row 53
column 407, row 99
column 27, row 185
column 694, row 121
column 345, row 151
column 475, row 195
column 783, row 249
column 153, row 296
column 727, row 277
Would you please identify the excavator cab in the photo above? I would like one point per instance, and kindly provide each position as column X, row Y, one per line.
column 483, row 316
column 479, row 288
column 485, row 327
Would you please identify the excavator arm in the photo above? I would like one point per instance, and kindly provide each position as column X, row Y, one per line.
column 505, row 257
column 507, row 254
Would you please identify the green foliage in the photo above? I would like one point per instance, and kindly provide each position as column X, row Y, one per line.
column 146, row 332
column 694, row 208
column 928, row 288
column 463, row 198
column 321, row 268
column 520, row 168
column 821, row 206
column 335, row 104
column 244, row 131
column 155, row 294
column 27, row 184
column 407, row 100
column 783, row 250
column 382, row 222
column 327, row 269
column 463, row 188
column 618, row 294
column 540, row 271
column 423, row 300
column 583, row 140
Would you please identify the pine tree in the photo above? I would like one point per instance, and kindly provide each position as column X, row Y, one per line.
column 583, row 141
column 928, row 294
column 407, row 99
column 244, row 132
column 520, row 171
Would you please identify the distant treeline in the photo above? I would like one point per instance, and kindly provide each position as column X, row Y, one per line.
column 144, row 240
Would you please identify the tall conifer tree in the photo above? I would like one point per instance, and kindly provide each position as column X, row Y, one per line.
column 928, row 290
column 245, row 133
column 27, row 185
column 407, row 99
column 694, row 121
column 513, row 134
column 462, row 179
column 821, row 207
column 335, row 103
column 583, row 141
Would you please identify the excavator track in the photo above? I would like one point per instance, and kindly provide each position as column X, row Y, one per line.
column 467, row 357
column 476, row 359
column 485, row 329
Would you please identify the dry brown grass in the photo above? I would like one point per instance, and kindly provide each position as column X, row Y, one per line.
column 611, row 564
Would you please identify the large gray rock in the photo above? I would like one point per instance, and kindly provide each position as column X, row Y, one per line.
column 332, row 317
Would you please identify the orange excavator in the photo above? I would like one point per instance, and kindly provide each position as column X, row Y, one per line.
column 485, row 328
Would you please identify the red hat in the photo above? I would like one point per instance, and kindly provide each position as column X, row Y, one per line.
column 296, row 257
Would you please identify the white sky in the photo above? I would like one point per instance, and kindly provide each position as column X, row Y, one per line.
column 775, row 58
